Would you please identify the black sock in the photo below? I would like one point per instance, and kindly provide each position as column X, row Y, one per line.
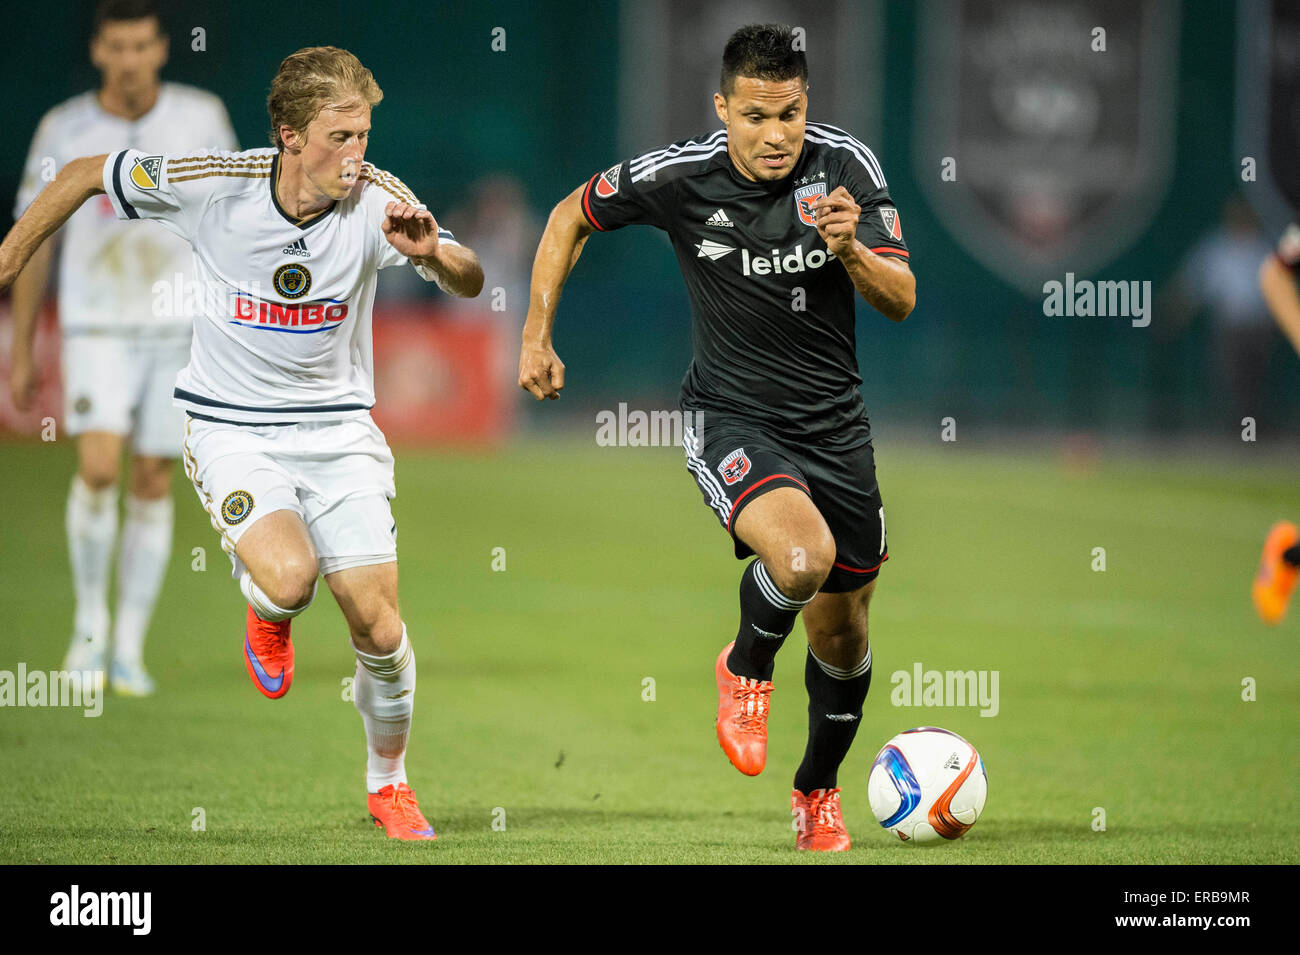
column 766, row 619
column 835, row 701
column 1292, row 555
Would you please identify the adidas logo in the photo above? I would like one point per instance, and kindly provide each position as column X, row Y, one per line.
column 841, row 717
column 954, row 762
column 296, row 247
column 712, row 250
column 720, row 220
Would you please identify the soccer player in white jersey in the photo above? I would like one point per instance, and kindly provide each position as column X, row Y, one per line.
column 120, row 352
column 279, row 442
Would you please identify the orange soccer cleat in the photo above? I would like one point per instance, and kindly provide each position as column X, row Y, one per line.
column 742, row 716
column 1275, row 578
column 394, row 809
column 820, row 825
column 268, row 655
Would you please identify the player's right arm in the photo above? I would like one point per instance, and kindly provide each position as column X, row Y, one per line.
column 75, row 183
column 540, row 370
column 608, row 200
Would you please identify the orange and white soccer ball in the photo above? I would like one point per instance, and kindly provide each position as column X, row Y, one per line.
column 927, row 785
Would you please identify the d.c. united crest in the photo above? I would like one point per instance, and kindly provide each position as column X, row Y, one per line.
column 734, row 466
column 805, row 197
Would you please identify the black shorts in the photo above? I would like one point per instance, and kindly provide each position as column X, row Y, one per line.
column 734, row 463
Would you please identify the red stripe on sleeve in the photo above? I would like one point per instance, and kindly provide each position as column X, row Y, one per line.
column 586, row 204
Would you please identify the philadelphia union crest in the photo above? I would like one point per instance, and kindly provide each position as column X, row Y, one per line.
column 292, row 280
column 236, row 506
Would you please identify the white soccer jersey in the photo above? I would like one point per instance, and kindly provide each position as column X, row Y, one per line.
column 107, row 270
column 282, row 318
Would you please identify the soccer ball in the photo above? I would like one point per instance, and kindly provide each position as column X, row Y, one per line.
column 927, row 784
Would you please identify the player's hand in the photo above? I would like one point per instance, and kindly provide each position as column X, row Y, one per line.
column 837, row 220
column 24, row 382
column 410, row 230
column 541, row 373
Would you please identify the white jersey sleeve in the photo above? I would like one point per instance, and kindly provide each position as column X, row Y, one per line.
column 173, row 190
column 381, row 189
column 42, row 161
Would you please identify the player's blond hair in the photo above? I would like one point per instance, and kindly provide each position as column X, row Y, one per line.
column 316, row 78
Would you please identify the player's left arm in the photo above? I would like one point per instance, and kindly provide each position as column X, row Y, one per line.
column 885, row 282
column 413, row 232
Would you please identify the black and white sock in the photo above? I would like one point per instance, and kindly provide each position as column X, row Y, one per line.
column 835, row 698
column 766, row 619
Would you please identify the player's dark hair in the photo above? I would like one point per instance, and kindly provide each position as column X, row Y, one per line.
column 117, row 11
column 762, row 51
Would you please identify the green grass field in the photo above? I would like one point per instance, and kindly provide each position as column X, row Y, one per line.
column 1120, row 690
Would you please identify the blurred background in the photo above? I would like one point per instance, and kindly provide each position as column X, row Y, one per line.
column 1016, row 151
column 1021, row 147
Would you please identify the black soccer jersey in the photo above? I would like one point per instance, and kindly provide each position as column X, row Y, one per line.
column 772, row 311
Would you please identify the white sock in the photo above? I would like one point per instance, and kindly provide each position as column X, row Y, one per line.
column 141, row 567
column 92, row 530
column 384, row 693
column 262, row 604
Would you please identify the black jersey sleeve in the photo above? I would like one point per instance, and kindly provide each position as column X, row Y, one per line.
column 879, row 227
column 623, row 195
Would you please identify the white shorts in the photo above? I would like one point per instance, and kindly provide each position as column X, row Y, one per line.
column 123, row 384
column 336, row 475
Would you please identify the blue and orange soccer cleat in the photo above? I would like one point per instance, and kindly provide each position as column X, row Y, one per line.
column 395, row 810
column 818, row 820
column 268, row 655
column 1276, row 578
column 742, row 716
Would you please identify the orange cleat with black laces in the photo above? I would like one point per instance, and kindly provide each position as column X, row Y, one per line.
column 268, row 655
column 1275, row 579
column 820, row 824
column 395, row 810
column 742, row 716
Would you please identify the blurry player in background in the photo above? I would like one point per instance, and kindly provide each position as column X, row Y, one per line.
column 279, row 442
column 1279, row 564
column 120, row 353
column 777, row 223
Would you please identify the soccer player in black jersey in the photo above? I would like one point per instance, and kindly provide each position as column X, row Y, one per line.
column 776, row 222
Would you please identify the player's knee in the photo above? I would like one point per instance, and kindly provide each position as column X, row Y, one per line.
column 801, row 573
column 292, row 584
column 98, row 474
column 151, row 478
column 845, row 643
column 379, row 632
